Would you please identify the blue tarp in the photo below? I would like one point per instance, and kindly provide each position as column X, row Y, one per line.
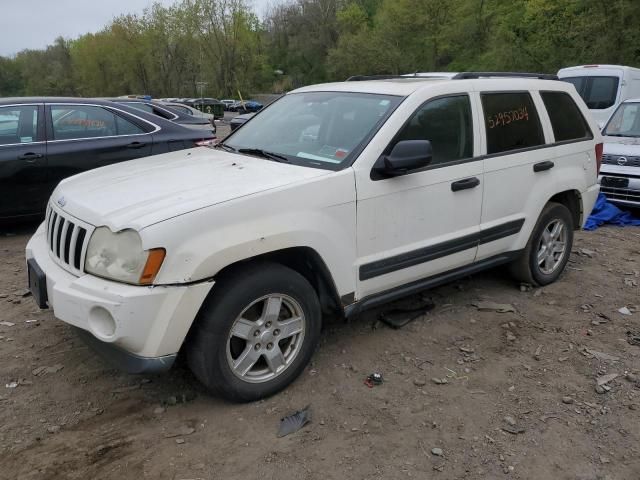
column 605, row 212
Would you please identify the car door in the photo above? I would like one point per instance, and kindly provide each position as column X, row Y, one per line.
column 23, row 160
column 517, row 176
column 84, row 136
column 425, row 222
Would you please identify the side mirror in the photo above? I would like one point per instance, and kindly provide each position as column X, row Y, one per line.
column 407, row 155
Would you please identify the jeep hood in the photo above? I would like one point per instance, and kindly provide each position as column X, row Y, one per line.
column 142, row 192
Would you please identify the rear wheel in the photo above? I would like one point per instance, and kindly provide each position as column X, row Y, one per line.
column 549, row 247
column 255, row 333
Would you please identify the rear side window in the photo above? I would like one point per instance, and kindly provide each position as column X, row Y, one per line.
column 447, row 123
column 87, row 121
column 566, row 119
column 597, row 92
column 511, row 122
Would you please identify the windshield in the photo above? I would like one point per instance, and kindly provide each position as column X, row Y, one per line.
column 597, row 92
column 318, row 129
column 625, row 122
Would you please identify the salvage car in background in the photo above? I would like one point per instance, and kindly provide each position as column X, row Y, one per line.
column 194, row 112
column 43, row 140
column 246, row 106
column 620, row 172
column 207, row 105
column 168, row 113
column 240, row 120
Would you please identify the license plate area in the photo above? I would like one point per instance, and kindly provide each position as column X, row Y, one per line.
column 37, row 283
column 614, row 182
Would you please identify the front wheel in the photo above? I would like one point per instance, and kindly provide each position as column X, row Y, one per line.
column 549, row 247
column 256, row 332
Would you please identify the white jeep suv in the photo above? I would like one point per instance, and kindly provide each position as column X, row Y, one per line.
column 337, row 197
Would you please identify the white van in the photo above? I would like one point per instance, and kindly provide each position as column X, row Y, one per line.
column 603, row 87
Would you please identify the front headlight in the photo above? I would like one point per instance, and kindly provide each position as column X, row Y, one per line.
column 119, row 256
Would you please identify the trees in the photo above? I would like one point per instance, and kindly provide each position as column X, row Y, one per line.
column 166, row 50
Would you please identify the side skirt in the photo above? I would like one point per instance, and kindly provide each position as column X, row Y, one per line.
column 426, row 283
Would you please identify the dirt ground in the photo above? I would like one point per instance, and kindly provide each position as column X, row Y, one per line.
column 504, row 412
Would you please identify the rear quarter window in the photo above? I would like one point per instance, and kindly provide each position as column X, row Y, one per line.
column 567, row 121
column 511, row 122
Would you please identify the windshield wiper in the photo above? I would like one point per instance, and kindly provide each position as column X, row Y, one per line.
column 264, row 154
column 224, row 147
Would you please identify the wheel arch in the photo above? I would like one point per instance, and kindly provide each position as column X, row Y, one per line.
column 304, row 260
column 572, row 199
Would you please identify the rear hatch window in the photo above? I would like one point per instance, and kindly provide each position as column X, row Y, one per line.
column 598, row 93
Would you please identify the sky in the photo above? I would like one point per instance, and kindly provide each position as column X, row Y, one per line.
column 37, row 23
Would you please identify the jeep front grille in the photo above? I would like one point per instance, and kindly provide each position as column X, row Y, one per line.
column 67, row 239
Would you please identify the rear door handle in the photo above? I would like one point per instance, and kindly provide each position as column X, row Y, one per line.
column 542, row 166
column 465, row 184
column 136, row 145
column 30, row 157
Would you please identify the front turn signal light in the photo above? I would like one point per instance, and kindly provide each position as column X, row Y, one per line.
column 152, row 267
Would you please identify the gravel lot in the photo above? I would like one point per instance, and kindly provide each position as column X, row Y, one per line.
column 504, row 412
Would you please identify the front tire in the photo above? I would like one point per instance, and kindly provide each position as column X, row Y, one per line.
column 255, row 333
column 548, row 249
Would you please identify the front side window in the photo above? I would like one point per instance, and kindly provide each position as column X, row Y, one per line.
column 316, row 129
column 511, row 122
column 447, row 123
column 598, row 92
column 18, row 124
column 625, row 122
column 566, row 119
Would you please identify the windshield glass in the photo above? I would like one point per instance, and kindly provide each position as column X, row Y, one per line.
column 318, row 129
column 625, row 122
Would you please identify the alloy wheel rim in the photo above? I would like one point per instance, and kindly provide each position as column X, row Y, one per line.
column 552, row 247
column 265, row 338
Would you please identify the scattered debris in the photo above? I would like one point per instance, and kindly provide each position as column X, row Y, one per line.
column 629, row 282
column 158, row 410
column 179, row 441
column 538, row 353
column 510, row 420
column 181, row 432
column 494, row 307
column 294, row 422
column 439, row 381
column 11, row 385
column 373, row 379
column 568, row 400
column 53, row 428
column 633, row 338
column 511, row 337
column 600, row 355
column 398, row 317
column 468, row 350
column 42, row 371
column 604, row 379
column 513, row 429
column 624, row 311
column 437, row 452
column 585, row 252
column 525, row 287
column 419, row 382
column 7, row 324
column 128, row 388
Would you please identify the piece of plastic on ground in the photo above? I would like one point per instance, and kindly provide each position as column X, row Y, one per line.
column 294, row 422
column 605, row 212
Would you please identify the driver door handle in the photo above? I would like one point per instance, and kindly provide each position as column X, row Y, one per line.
column 136, row 145
column 465, row 184
column 30, row 157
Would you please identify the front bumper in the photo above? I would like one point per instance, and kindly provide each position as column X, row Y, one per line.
column 140, row 329
column 627, row 194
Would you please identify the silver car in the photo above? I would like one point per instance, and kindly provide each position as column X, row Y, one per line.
column 620, row 172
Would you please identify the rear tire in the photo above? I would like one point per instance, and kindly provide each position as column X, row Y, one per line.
column 548, row 249
column 255, row 333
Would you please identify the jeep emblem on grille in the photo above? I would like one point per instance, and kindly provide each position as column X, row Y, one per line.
column 622, row 160
column 62, row 202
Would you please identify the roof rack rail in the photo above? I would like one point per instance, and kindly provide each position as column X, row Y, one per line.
column 470, row 75
column 360, row 78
